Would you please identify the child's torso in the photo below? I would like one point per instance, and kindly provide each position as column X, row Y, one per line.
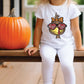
column 56, row 26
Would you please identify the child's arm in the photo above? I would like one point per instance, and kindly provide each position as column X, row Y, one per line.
column 76, row 33
column 37, row 33
column 37, row 37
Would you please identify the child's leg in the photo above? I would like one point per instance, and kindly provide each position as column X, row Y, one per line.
column 66, row 56
column 48, row 58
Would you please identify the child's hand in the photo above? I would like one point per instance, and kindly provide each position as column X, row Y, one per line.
column 81, row 49
column 31, row 50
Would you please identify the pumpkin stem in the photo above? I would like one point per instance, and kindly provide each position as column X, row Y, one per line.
column 12, row 13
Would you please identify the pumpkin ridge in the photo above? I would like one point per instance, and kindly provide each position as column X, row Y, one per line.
column 12, row 27
column 9, row 32
column 16, row 29
column 29, row 31
column 6, row 29
column 19, row 28
column 27, row 40
column 20, row 31
column 1, row 33
column 24, row 26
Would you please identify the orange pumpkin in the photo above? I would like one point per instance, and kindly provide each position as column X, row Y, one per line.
column 14, row 33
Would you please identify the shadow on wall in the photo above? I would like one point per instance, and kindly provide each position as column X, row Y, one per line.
column 1, row 15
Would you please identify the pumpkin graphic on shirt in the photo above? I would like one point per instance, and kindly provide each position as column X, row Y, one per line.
column 57, row 27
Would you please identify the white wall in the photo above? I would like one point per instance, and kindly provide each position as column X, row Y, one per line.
column 6, row 7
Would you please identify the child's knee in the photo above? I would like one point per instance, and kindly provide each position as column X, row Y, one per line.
column 47, row 53
column 67, row 65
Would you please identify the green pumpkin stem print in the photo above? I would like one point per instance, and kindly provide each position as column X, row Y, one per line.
column 57, row 27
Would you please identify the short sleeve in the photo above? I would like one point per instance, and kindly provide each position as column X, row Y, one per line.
column 39, row 13
column 74, row 11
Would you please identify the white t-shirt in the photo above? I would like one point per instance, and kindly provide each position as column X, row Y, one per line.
column 65, row 13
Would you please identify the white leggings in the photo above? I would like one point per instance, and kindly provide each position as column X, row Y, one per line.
column 66, row 56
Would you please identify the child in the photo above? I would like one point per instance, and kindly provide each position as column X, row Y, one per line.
column 57, row 31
